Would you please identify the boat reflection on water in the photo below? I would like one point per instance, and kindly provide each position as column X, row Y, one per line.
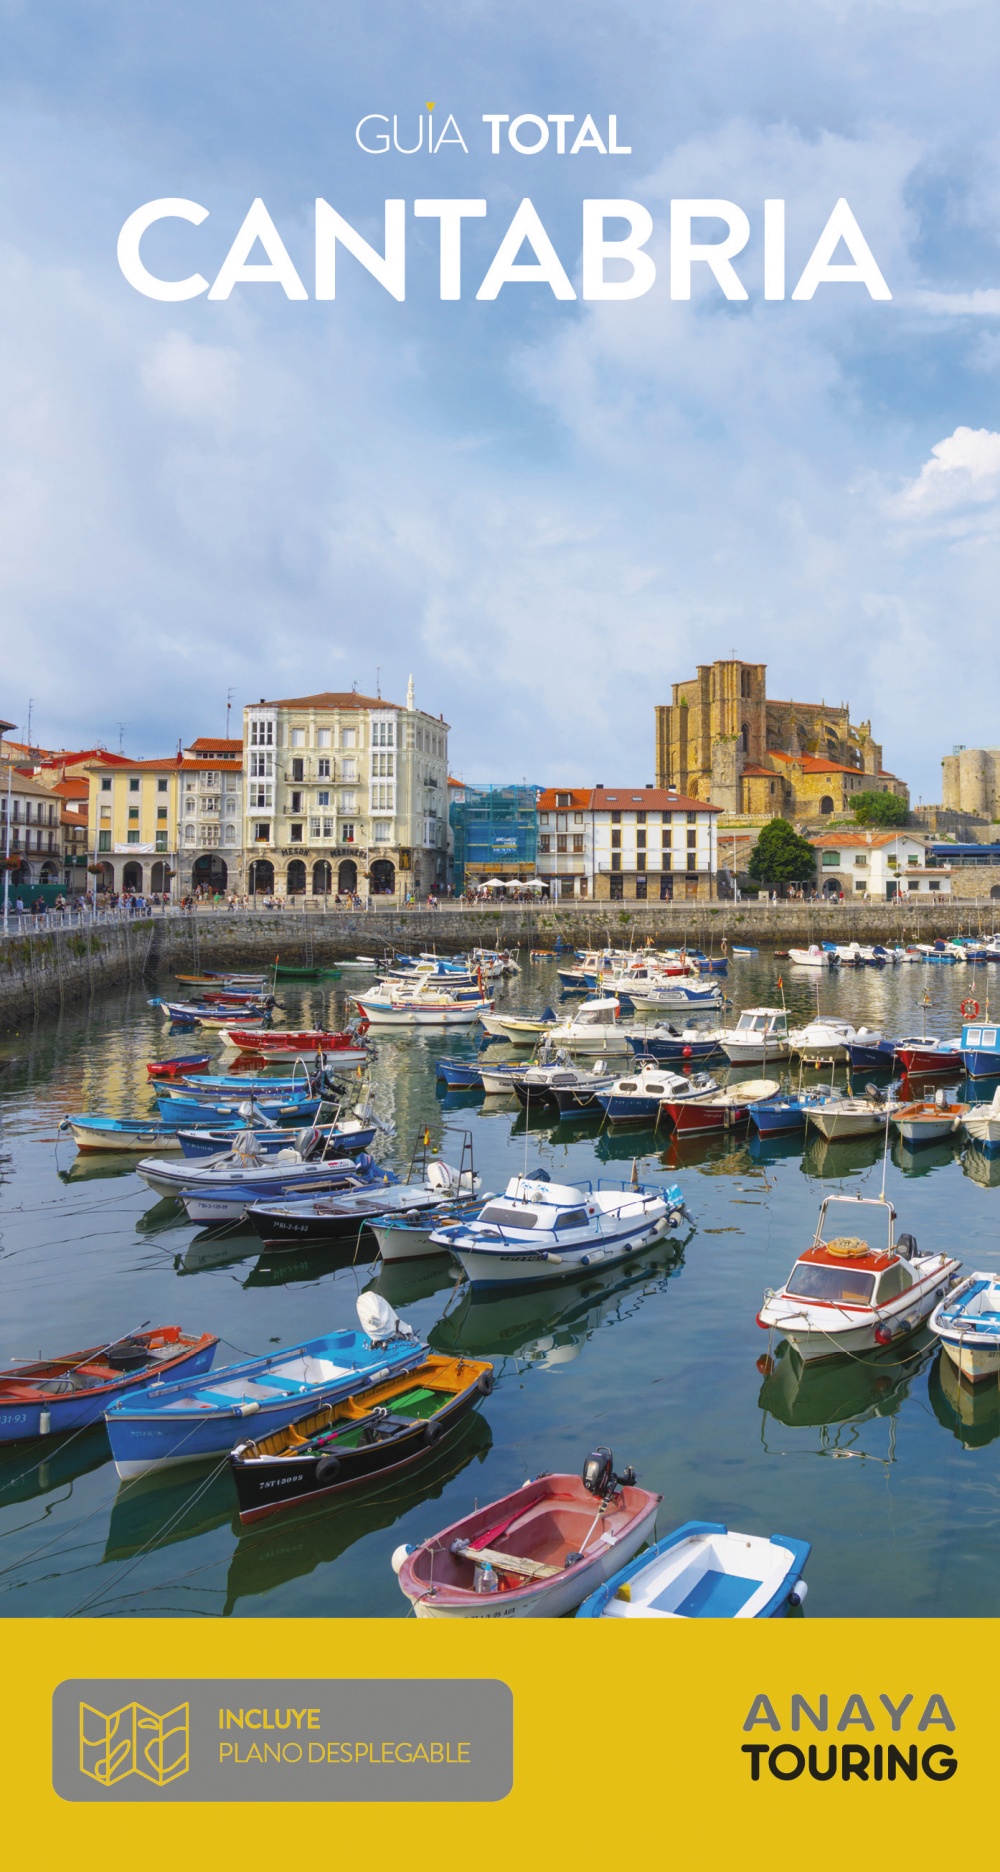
column 808, row 1394
column 284, row 1267
column 90, row 1165
column 457, row 1098
column 549, row 1325
column 211, row 1249
column 169, row 1505
column 917, row 1159
column 403, row 1283
column 832, row 1158
column 33, row 1469
column 298, row 1541
column 982, row 1166
column 165, row 1214
column 970, row 1412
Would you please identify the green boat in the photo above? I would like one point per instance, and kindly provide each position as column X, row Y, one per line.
column 286, row 971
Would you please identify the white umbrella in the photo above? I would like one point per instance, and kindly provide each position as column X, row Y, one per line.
column 513, row 884
column 491, row 884
column 536, row 884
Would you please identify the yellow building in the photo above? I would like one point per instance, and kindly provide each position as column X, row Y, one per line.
column 722, row 739
column 132, row 823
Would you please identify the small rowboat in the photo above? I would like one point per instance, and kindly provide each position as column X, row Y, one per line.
column 344, row 1045
column 703, row 1570
column 176, row 1423
column 67, row 1393
column 928, row 1119
column 180, row 1066
column 120, row 1134
column 371, row 1435
column 968, row 1326
column 536, row 1553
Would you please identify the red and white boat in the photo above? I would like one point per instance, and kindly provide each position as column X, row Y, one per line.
column 278, row 1040
column 719, row 1111
column 917, row 1057
column 535, row 1554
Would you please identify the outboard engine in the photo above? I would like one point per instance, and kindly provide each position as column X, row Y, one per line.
column 379, row 1320
column 906, row 1245
column 599, row 1476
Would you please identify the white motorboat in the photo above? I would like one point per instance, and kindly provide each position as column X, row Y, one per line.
column 982, row 1121
column 846, row 1116
column 813, row 957
column 542, row 1231
column 640, row 1094
column 677, row 993
column 760, row 1034
column 846, row 1295
column 968, row 1326
column 823, row 1041
column 924, row 1121
column 404, row 1006
column 592, row 1028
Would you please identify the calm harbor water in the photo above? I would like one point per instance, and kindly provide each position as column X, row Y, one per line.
column 883, row 1466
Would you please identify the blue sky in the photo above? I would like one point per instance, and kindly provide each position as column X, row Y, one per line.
column 547, row 512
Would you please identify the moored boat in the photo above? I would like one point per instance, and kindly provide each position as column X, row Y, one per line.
column 366, row 1437
column 175, row 1423
column 45, row 1396
column 536, row 1553
column 980, row 1044
column 727, row 1110
column 327, row 1218
column 705, row 1570
column 982, row 1122
column 638, row 1096
column 926, row 1120
column 921, row 1058
column 91, row 1132
column 822, row 1041
column 967, row 1323
column 179, row 1067
column 847, row 1296
column 542, row 1231
column 760, row 1034
column 344, row 1047
column 840, row 1115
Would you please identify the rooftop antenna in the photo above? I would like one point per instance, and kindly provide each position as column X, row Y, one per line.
column 378, row 681
column 122, row 725
column 229, row 703
column 31, row 704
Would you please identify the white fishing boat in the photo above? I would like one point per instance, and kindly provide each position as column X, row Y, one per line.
column 926, row 1120
column 542, row 1231
column 760, row 1034
column 813, row 957
column 982, row 1121
column 844, row 1116
column 846, row 1295
column 638, row 1096
column 404, row 1007
column 967, row 1323
column 705, row 1570
column 822, row 1041
column 592, row 1028
column 677, row 993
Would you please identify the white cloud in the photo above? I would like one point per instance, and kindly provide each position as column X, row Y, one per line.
column 963, row 469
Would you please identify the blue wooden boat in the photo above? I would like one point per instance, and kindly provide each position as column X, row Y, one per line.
column 980, row 1046
column 68, row 1393
column 778, row 1117
column 175, row 1423
column 705, row 1570
column 665, row 1043
column 459, row 1072
column 295, row 1085
column 192, row 1111
column 92, row 1132
column 210, row 1141
column 872, row 1054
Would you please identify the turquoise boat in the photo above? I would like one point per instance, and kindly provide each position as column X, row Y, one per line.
column 704, row 1570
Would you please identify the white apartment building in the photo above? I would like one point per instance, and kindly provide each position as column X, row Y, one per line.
column 210, row 816
column 650, row 842
column 878, row 864
column 345, row 793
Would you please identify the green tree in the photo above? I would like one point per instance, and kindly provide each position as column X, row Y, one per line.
column 880, row 809
column 780, row 856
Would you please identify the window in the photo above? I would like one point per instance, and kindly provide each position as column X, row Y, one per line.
column 323, row 769
column 640, row 837
column 261, row 734
column 314, row 825
column 640, row 818
column 382, row 735
column 161, row 841
column 692, row 840
column 347, row 833
column 640, row 887
column 161, row 812
column 298, row 737
column 104, row 841
column 322, row 799
column 382, row 766
column 260, row 796
column 328, row 828
column 578, row 818
column 382, row 832
column 544, row 843
column 811, row 1280
column 296, row 805
column 262, row 833
column 861, row 884
column 616, row 861
column 578, row 841
column 616, row 818
column 133, row 835
column 161, row 786
column 617, row 885
column 913, row 858
column 133, row 812
column 261, row 764
column 298, row 770
column 295, row 832
column 105, row 786
column 861, row 859
column 935, row 884
column 133, row 786
column 323, row 740
column 349, row 802
column 831, row 858
column 348, row 770
column 563, row 799
column 348, row 737
column 616, row 841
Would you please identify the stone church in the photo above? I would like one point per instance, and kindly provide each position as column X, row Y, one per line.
column 723, row 740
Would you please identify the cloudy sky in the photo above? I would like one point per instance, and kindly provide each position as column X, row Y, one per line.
column 546, row 510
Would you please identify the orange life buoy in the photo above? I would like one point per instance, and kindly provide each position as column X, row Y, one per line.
column 970, row 1010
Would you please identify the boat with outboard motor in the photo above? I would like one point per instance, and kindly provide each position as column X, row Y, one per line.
column 556, row 1084
column 688, row 995
column 844, row 1115
column 536, row 1553
column 662, row 1041
column 814, row 957
column 327, row 1218
column 175, row 1423
column 44, row 1397
column 364, row 1438
column 760, row 1034
column 638, row 1096
column 927, row 1120
column 726, row 1110
column 967, row 1323
column 542, row 1231
column 705, row 1570
column 848, row 1296
column 93, row 1132
column 982, row 1122
column 593, row 1027
column 822, row 1041
column 920, row 1058
column 343, row 1136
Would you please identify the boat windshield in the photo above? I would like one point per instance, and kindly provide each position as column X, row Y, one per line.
column 509, row 1218
column 811, row 1280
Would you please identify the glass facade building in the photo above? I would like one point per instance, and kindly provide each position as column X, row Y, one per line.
column 494, row 832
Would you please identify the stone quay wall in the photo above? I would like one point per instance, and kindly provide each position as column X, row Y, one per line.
column 44, row 971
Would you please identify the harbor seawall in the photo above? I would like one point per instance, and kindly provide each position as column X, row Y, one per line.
column 44, row 971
